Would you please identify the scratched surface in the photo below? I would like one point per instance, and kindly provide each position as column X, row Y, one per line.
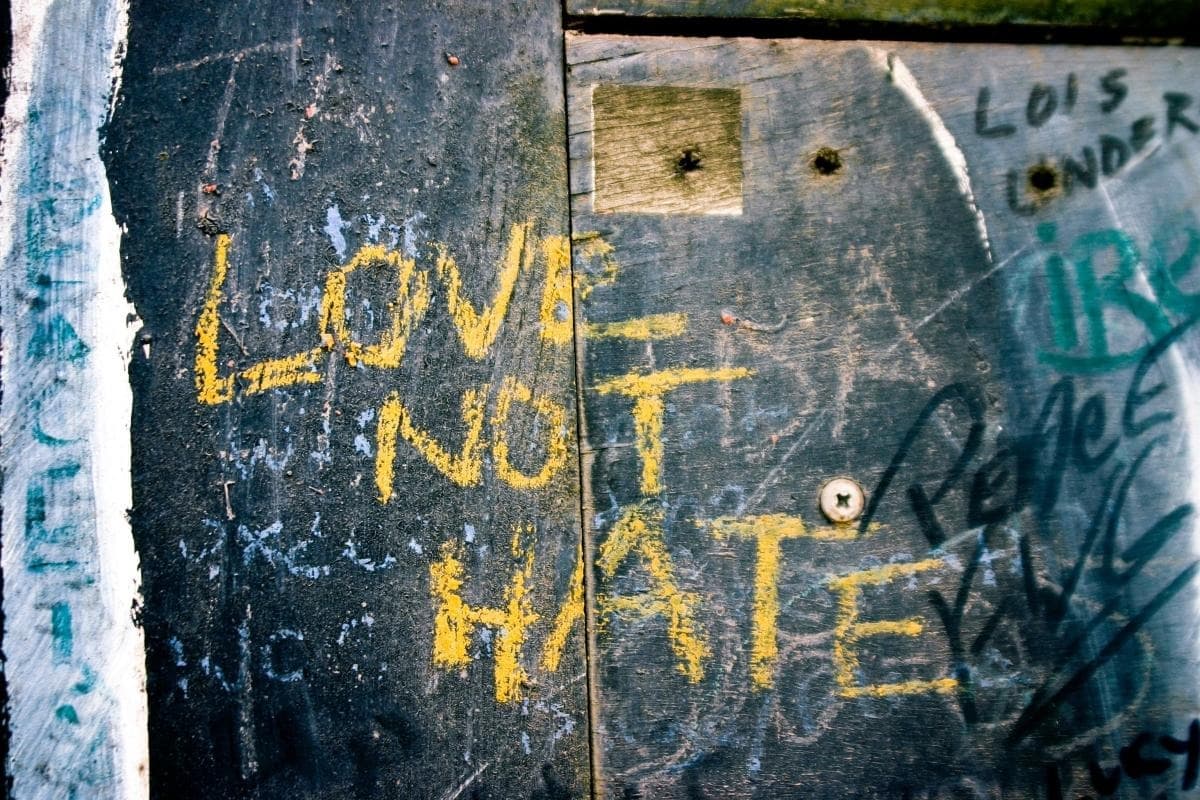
column 1164, row 16
column 355, row 487
column 959, row 275
column 74, row 715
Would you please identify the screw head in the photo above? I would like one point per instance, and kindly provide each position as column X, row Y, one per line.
column 842, row 499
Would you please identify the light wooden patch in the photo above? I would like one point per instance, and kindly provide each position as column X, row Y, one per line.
column 667, row 150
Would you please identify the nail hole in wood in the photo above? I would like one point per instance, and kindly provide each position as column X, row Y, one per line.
column 689, row 161
column 827, row 161
column 1043, row 178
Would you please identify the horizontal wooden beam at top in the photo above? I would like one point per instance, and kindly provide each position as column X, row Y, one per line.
column 1128, row 22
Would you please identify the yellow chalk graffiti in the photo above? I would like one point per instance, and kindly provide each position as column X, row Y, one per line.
column 212, row 389
column 406, row 311
column 591, row 244
column 513, row 391
column 385, row 446
column 463, row 468
column 653, row 326
column 647, row 391
column 640, row 531
column 569, row 615
column 276, row 373
column 769, row 532
column 849, row 631
column 555, row 312
column 455, row 621
column 478, row 329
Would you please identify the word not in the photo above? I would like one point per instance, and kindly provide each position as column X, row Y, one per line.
column 465, row 468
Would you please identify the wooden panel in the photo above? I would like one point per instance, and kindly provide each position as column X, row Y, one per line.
column 1169, row 18
column 962, row 278
column 354, row 463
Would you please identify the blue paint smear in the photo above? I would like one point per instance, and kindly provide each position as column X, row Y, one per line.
column 61, row 633
column 67, row 713
column 55, row 339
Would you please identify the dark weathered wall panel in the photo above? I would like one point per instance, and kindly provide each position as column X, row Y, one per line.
column 912, row 287
column 354, row 466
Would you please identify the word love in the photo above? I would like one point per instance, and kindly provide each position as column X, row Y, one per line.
column 477, row 329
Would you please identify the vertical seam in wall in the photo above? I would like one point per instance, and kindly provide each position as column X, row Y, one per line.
column 583, row 470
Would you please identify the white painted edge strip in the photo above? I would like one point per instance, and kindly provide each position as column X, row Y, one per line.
column 907, row 84
column 100, row 748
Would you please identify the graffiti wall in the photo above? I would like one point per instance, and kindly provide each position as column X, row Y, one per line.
column 889, row 391
column 520, row 414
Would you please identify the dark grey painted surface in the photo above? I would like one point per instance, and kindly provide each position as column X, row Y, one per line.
column 290, row 614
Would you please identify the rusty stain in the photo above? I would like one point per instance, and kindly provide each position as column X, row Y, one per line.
column 452, row 59
column 729, row 318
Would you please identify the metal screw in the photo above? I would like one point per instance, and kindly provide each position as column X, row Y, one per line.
column 842, row 499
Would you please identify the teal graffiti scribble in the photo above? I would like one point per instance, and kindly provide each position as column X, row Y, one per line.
column 66, row 712
column 62, row 637
column 88, row 682
column 1084, row 303
column 38, row 536
column 55, row 339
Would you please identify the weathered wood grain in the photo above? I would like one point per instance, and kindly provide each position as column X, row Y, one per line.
column 354, row 452
column 1169, row 18
column 1007, row 371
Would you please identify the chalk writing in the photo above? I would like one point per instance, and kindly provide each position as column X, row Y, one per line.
column 639, row 530
column 477, row 331
column 850, row 631
column 769, row 532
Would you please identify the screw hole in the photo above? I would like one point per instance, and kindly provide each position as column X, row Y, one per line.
column 843, row 501
column 827, row 161
column 689, row 161
column 1042, row 178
